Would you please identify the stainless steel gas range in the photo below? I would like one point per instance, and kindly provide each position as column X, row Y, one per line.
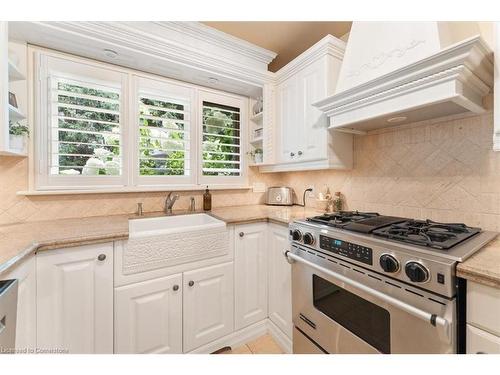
column 367, row 283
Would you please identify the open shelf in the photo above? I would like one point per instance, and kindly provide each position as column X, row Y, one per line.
column 257, row 117
column 15, row 114
column 257, row 140
column 13, row 153
column 14, row 73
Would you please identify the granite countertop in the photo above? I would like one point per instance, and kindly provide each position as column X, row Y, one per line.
column 484, row 266
column 20, row 240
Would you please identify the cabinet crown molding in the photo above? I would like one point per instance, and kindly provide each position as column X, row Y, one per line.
column 329, row 45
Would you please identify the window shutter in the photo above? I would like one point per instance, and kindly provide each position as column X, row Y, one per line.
column 85, row 131
column 164, row 137
column 221, row 140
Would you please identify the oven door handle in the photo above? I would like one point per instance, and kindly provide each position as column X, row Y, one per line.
column 433, row 319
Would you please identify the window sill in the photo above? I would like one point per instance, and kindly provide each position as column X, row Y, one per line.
column 127, row 190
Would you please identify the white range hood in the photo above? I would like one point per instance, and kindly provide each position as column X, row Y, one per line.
column 396, row 73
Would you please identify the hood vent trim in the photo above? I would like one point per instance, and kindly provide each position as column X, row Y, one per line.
column 454, row 80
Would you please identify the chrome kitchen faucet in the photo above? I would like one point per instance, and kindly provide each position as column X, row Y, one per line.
column 169, row 202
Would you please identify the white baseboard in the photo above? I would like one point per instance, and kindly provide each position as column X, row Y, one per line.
column 246, row 335
column 280, row 337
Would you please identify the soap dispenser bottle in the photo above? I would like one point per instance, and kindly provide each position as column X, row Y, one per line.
column 207, row 200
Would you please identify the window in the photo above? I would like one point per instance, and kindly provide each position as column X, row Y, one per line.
column 85, row 129
column 103, row 127
column 164, row 132
column 80, row 136
column 221, row 138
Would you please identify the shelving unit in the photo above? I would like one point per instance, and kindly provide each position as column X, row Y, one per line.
column 12, row 79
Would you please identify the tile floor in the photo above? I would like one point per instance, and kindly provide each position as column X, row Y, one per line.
column 261, row 345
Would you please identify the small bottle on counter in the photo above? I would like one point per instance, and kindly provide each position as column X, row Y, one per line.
column 207, row 200
column 337, row 202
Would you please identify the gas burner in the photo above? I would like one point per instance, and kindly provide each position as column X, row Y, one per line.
column 428, row 233
column 341, row 218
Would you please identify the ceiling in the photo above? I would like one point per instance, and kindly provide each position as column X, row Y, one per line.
column 287, row 39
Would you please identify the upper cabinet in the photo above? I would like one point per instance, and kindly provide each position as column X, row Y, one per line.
column 301, row 138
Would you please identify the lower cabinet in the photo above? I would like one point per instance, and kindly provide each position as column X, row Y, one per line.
column 75, row 299
column 483, row 324
column 280, row 279
column 175, row 314
column 25, row 273
column 208, row 305
column 148, row 316
column 250, row 274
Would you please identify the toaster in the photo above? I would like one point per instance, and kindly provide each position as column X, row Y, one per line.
column 279, row 196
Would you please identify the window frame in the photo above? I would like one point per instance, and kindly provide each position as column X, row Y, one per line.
column 236, row 101
column 40, row 179
column 47, row 61
column 155, row 86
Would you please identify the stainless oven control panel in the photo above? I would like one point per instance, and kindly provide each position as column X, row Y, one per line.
column 346, row 249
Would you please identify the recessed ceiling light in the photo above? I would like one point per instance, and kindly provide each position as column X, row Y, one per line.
column 110, row 53
column 213, row 81
column 397, row 119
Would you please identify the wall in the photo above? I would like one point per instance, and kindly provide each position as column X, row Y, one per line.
column 444, row 171
column 14, row 208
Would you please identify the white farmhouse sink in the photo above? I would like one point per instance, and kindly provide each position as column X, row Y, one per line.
column 156, row 226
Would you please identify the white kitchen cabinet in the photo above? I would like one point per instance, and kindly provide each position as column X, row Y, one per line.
column 481, row 342
column 25, row 273
column 148, row 316
column 483, row 324
column 302, row 138
column 208, row 304
column 250, row 265
column 75, row 299
column 280, row 279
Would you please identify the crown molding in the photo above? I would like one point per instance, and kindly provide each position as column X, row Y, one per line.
column 168, row 47
column 461, row 73
column 213, row 36
column 329, row 45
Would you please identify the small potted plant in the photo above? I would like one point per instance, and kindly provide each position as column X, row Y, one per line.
column 18, row 134
column 256, row 155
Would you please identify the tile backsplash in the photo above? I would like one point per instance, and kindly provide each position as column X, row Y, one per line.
column 443, row 170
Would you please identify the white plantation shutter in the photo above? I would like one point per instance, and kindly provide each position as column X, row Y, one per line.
column 164, row 132
column 221, row 140
column 80, row 132
column 85, row 131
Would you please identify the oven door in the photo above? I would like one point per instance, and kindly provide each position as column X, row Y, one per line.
column 348, row 309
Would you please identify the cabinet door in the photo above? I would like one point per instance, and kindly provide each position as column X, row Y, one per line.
column 280, row 280
column 287, row 137
column 481, row 342
column 208, row 305
column 250, row 274
column 25, row 273
column 75, row 299
column 312, row 124
column 148, row 316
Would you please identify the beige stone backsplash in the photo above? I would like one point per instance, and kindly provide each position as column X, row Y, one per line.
column 444, row 170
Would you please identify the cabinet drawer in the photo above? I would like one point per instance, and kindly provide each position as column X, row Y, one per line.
column 483, row 307
column 479, row 341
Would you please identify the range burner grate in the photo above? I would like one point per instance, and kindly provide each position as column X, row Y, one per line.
column 428, row 233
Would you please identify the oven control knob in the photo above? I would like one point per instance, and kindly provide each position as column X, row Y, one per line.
column 308, row 239
column 416, row 272
column 389, row 263
column 296, row 235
